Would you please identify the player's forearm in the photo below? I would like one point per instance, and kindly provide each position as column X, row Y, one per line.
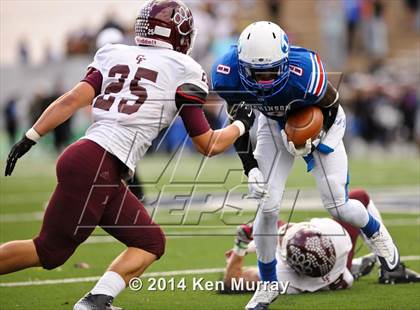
column 220, row 140
column 63, row 108
column 213, row 142
column 233, row 268
column 57, row 113
column 244, row 150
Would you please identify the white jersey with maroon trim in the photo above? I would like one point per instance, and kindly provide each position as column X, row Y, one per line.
column 137, row 98
column 342, row 245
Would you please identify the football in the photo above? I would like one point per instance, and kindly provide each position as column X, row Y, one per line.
column 303, row 124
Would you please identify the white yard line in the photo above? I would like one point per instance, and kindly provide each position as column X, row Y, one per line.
column 146, row 275
column 21, row 217
column 110, row 239
column 39, row 215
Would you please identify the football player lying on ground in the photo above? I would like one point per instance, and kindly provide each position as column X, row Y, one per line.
column 328, row 266
column 135, row 92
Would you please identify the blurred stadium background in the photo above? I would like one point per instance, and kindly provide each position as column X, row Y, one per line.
column 370, row 47
column 46, row 46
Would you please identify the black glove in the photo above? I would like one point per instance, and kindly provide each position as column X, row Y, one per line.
column 243, row 112
column 18, row 150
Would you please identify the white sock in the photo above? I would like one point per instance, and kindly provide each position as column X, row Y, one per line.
column 111, row 284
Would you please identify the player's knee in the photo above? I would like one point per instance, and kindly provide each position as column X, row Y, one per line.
column 352, row 212
column 342, row 212
column 50, row 256
column 161, row 243
column 272, row 204
column 361, row 195
column 153, row 241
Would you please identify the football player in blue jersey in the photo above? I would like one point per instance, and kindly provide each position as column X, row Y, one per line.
column 265, row 71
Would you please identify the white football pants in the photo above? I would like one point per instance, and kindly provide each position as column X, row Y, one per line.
column 275, row 162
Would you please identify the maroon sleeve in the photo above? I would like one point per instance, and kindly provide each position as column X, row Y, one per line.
column 94, row 78
column 189, row 100
column 194, row 120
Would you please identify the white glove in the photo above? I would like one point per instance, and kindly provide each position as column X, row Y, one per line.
column 290, row 146
column 256, row 184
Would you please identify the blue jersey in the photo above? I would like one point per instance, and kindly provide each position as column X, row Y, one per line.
column 305, row 86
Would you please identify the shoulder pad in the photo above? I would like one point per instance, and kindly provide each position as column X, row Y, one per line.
column 308, row 73
column 224, row 73
column 103, row 55
column 193, row 73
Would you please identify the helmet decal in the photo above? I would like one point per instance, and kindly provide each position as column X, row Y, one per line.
column 310, row 253
column 285, row 45
column 142, row 27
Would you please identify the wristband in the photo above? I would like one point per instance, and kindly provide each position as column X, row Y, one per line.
column 31, row 134
column 240, row 126
column 240, row 251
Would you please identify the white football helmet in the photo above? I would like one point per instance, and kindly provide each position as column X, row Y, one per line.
column 263, row 53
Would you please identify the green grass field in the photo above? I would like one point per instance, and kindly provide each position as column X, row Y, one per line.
column 26, row 192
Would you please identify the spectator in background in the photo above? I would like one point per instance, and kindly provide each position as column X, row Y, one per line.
column 352, row 10
column 111, row 22
column 62, row 133
column 379, row 31
column 375, row 32
column 387, row 117
column 224, row 30
column 40, row 101
column 417, row 122
column 37, row 105
column 204, row 17
column 109, row 35
column 409, row 104
column 274, row 9
column 23, row 52
column 50, row 56
column 80, row 42
column 413, row 13
column 333, row 33
column 10, row 116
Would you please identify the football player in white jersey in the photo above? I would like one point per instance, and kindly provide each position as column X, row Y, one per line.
column 312, row 256
column 135, row 92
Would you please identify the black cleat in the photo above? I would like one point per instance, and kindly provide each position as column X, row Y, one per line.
column 400, row 275
column 95, row 302
column 363, row 266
